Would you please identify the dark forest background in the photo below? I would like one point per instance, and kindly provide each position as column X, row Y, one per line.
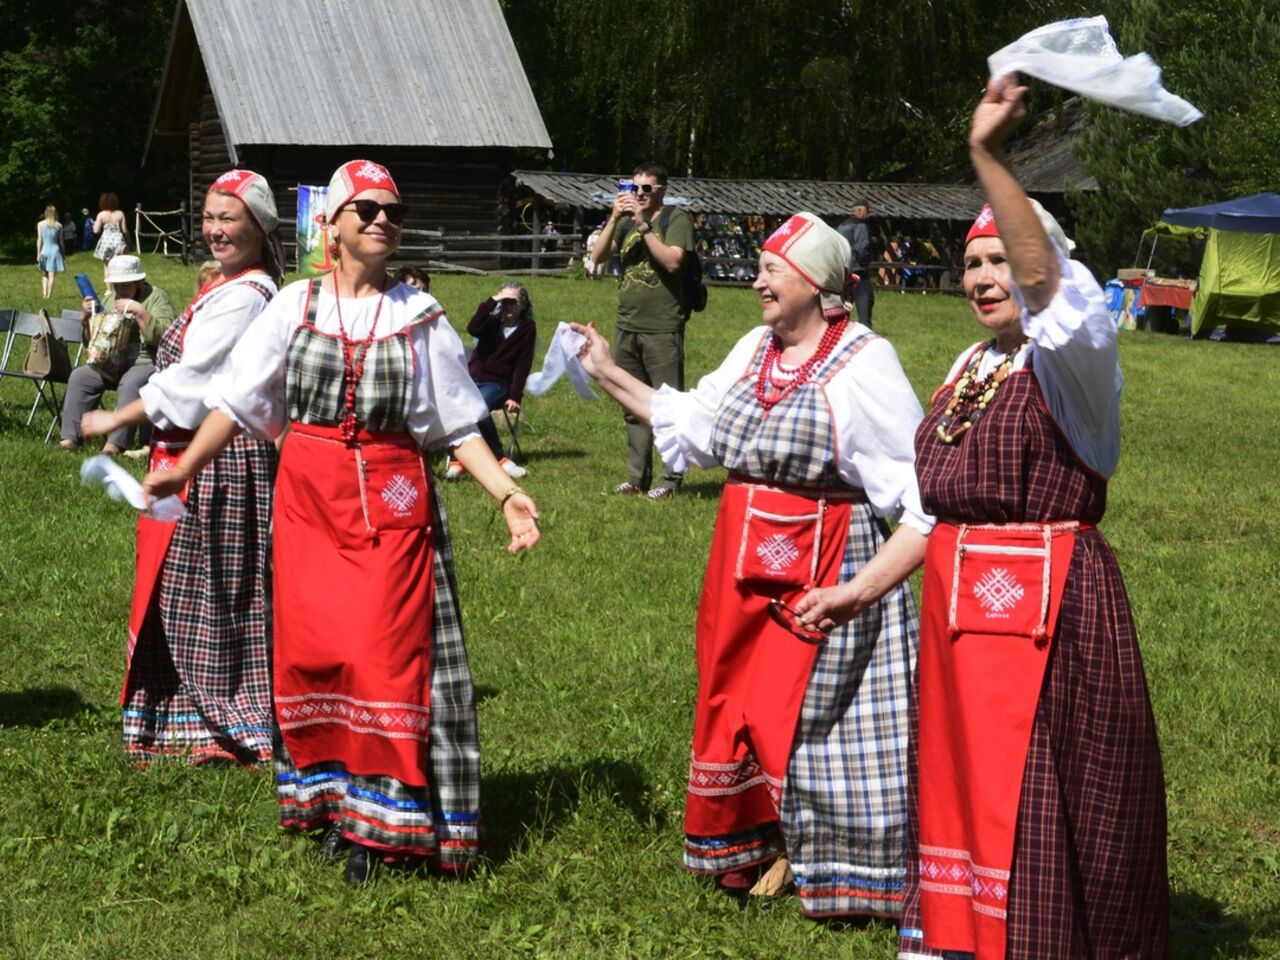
column 828, row 89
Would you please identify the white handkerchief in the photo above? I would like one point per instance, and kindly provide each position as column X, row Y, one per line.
column 1080, row 56
column 562, row 358
column 104, row 472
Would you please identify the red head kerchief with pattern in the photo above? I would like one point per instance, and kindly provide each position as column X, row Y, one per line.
column 352, row 179
column 985, row 226
column 254, row 192
column 818, row 253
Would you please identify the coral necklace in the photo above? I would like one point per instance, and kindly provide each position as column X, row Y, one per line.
column 221, row 280
column 353, row 354
column 771, row 387
column 971, row 396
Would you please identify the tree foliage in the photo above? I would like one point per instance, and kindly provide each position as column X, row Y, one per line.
column 1223, row 56
column 828, row 89
column 80, row 79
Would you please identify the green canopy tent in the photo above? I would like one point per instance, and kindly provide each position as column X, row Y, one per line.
column 1239, row 283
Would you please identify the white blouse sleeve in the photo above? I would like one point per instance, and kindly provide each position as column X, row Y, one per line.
column 876, row 414
column 251, row 388
column 682, row 421
column 1077, row 365
column 446, row 406
column 174, row 396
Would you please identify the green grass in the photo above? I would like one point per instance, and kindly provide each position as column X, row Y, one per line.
column 583, row 656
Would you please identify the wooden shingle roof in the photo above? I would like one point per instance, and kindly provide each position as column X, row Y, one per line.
column 372, row 72
column 905, row 201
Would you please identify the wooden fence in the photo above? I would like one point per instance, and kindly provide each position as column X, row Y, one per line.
column 728, row 257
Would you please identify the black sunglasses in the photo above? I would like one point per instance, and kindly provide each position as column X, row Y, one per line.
column 645, row 187
column 788, row 619
column 367, row 211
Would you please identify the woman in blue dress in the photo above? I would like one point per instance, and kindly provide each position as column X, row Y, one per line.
column 49, row 249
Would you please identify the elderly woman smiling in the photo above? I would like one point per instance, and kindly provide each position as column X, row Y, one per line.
column 800, row 740
column 1041, row 795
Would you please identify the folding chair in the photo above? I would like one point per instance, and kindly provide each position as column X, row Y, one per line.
column 28, row 325
column 514, row 422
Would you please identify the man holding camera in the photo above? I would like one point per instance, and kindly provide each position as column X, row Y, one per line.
column 649, row 339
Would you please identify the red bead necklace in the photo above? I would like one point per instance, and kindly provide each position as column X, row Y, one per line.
column 772, row 389
column 221, row 280
column 353, row 360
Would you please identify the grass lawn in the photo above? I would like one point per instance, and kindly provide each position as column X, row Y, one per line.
column 583, row 658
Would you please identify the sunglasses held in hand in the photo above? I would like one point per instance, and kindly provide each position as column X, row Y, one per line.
column 789, row 619
column 367, row 211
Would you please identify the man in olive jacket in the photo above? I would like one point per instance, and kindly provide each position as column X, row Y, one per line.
column 652, row 313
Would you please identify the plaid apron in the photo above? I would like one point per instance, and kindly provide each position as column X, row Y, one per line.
column 198, row 683
column 840, row 811
column 374, row 699
column 1088, row 873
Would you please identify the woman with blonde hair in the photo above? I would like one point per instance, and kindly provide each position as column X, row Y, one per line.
column 374, row 698
column 49, row 249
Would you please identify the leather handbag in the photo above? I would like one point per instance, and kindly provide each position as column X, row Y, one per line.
column 47, row 355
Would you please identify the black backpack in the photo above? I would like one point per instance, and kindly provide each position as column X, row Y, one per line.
column 692, row 290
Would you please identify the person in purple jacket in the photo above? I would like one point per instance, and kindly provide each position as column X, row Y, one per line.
column 505, row 335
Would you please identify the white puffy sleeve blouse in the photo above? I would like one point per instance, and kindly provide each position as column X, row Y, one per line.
column 444, row 407
column 875, row 415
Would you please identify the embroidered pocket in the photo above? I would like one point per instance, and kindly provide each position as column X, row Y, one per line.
column 1001, row 583
column 394, row 490
column 779, row 546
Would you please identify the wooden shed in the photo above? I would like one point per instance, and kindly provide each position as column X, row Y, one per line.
column 433, row 89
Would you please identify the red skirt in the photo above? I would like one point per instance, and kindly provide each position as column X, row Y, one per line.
column 752, row 673
column 990, row 602
column 353, row 549
column 152, row 544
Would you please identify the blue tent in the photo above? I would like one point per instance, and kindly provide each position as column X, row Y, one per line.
column 1259, row 213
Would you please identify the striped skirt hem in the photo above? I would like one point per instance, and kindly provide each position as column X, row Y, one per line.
column 377, row 812
column 721, row 854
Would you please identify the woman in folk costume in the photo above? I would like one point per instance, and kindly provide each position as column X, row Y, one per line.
column 800, row 742
column 198, row 682
column 1041, row 827
column 373, row 692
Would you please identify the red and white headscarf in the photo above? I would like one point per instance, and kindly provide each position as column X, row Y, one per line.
column 819, row 254
column 985, row 226
column 253, row 191
column 352, row 179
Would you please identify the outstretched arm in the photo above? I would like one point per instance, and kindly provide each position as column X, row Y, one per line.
column 97, row 422
column 211, row 439
column 518, row 508
column 635, row 396
column 1028, row 248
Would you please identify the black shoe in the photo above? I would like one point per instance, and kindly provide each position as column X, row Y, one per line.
column 360, row 866
column 332, row 845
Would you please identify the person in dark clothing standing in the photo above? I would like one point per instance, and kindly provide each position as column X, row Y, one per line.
column 854, row 229
column 505, row 335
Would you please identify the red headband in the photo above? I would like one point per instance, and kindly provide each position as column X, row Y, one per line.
column 984, row 226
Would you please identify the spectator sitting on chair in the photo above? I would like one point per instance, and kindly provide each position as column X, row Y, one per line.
column 415, row 277
column 149, row 312
column 505, row 334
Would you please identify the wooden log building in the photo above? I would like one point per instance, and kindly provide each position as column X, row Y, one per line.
column 433, row 89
